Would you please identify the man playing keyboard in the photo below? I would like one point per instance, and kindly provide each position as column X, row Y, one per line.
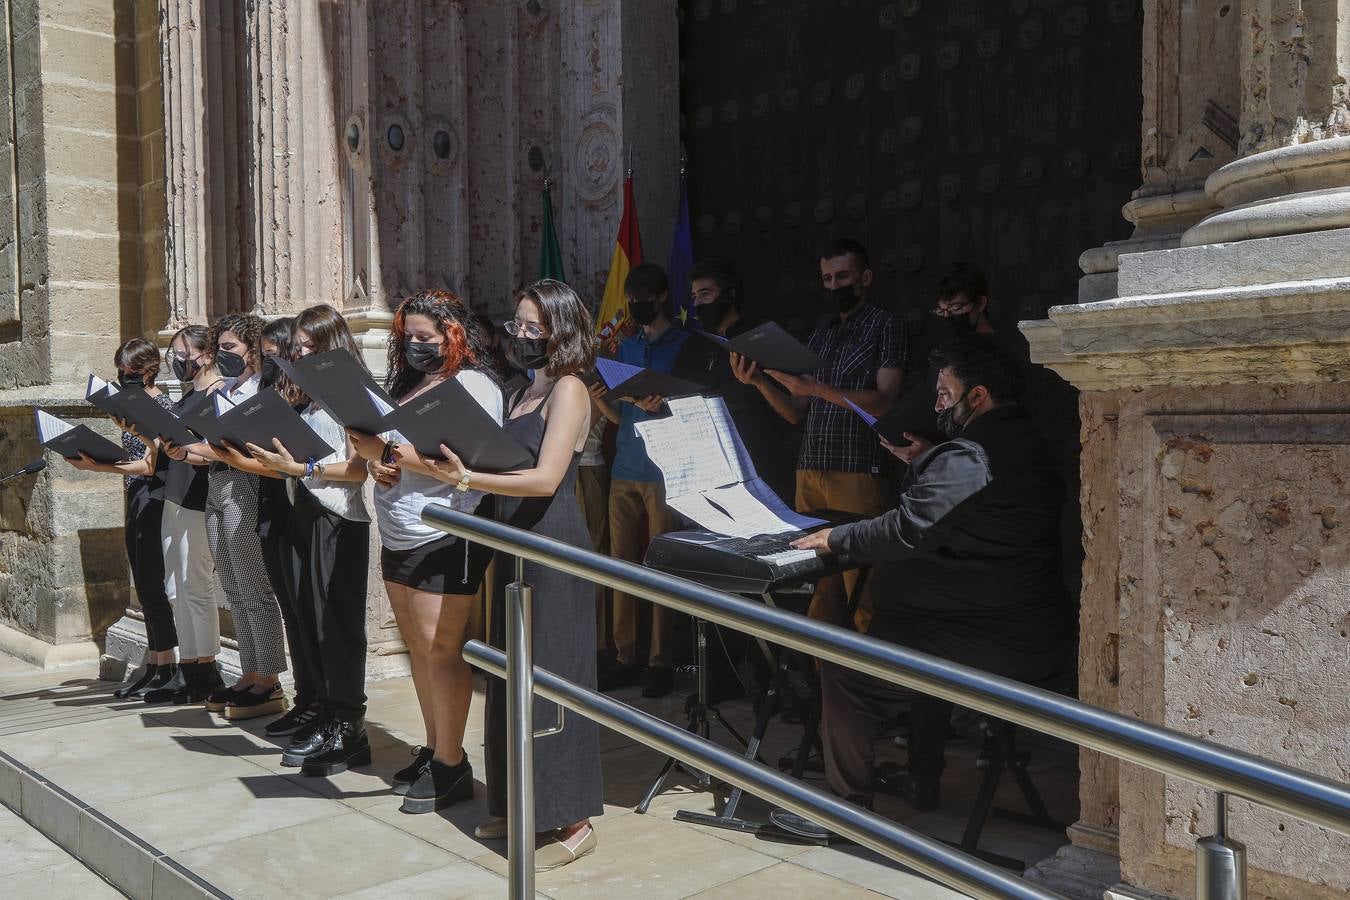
column 966, row 567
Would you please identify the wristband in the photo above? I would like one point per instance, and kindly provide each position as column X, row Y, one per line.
column 309, row 467
column 387, row 456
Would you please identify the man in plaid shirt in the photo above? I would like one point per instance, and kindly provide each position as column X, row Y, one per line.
column 863, row 350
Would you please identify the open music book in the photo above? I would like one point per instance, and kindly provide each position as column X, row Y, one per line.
column 709, row 475
column 70, row 440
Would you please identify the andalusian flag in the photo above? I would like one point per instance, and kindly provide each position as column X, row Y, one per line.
column 550, row 254
column 612, row 323
column 681, row 257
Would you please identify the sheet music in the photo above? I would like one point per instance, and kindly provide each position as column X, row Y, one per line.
column 709, row 476
column 687, row 452
column 615, row 373
column 49, row 426
column 222, row 403
column 97, row 384
column 866, row 416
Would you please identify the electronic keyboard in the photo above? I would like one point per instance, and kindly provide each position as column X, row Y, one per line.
column 756, row 565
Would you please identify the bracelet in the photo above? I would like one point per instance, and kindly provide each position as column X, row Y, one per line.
column 387, row 456
column 309, row 467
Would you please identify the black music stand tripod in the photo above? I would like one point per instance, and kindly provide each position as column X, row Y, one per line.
column 702, row 715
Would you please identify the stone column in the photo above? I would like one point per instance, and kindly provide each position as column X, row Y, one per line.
column 1214, row 378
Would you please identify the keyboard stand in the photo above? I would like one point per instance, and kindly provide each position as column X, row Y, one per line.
column 768, row 705
column 701, row 716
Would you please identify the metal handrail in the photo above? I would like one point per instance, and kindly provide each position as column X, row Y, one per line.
column 1220, row 861
column 1241, row 774
column 924, row 854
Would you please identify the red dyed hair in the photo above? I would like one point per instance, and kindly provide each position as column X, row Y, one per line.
column 457, row 345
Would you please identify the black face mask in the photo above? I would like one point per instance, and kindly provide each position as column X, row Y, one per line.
column 644, row 312
column 946, row 328
column 267, row 375
column 528, row 353
column 842, row 299
column 946, row 419
column 424, row 356
column 231, row 365
column 710, row 315
column 185, row 369
column 128, row 381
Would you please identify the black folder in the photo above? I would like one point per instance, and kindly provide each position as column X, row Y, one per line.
column 103, row 397
column 264, row 416
column 771, row 347
column 448, row 414
column 151, row 419
column 628, row 381
column 70, row 441
column 339, row 382
column 199, row 414
column 912, row 413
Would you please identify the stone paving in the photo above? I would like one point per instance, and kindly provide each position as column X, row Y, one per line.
column 212, row 799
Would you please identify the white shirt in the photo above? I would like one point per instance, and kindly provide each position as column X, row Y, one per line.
column 345, row 498
column 398, row 509
column 237, row 391
column 592, row 454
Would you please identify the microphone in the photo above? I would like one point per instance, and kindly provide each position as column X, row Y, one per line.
column 32, row 468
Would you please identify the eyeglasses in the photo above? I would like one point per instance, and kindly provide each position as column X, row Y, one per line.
column 959, row 308
column 528, row 330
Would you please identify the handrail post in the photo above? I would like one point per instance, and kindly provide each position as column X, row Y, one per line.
column 519, row 738
column 1220, row 861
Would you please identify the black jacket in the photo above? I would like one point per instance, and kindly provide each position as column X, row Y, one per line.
column 967, row 567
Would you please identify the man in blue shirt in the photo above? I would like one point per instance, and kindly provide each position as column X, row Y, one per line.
column 636, row 487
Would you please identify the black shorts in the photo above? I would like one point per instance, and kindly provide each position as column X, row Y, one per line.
column 447, row 565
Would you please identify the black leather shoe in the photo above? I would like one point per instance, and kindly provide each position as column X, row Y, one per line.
column 308, row 740
column 410, row 773
column 165, row 674
column 657, row 681
column 347, row 746
column 439, row 786
column 301, row 714
column 165, row 692
column 202, row 683
column 618, row 676
column 126, row 690
column 896, row 780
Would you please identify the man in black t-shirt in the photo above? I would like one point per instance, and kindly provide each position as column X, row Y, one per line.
column 716, row 288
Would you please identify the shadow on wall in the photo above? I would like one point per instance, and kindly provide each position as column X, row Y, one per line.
column 106, row 576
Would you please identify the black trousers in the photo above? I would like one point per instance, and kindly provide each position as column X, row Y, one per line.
column 330, row 565
column 853, row 708
column 274, row 534
column 146, row 555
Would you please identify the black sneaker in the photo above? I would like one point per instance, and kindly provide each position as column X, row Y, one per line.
column 346, row 746
column 657, row 681
column 147, row 674
column 439, row 786
column 300, row 715
column 251, row 704
column 410, row 773
column 308, row 740
column 163, row 675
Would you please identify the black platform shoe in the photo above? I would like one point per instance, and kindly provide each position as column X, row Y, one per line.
column 251, row 704
column 439, row 786
column 125, row 691
column 165, row 692
column 166, row 674
column 203, row 680
column 347, row 746
column 217, row 700
column 405, row 776
column 309, row 740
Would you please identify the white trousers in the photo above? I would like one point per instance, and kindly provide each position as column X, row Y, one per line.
column 190, row 581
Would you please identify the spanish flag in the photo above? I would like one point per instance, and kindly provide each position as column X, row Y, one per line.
column 612, row 323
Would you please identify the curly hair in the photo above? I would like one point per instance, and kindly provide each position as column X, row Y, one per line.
column 245, row 326
column 571, row 342
column 463, row 343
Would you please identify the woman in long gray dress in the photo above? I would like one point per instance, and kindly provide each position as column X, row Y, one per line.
column 550, row 336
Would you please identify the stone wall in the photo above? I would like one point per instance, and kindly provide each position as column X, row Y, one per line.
column 76, row 270
column 1234, row 610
